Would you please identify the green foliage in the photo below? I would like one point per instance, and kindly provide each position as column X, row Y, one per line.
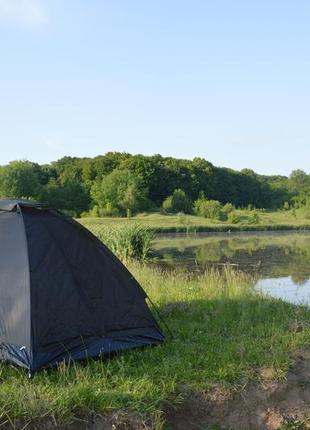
column 19, row 179
column 75, row 184
column 228, row 208
column 177, row 202
column 299, row 179
column 233, row 218
column 70, row 196
column 253, row 218
column 120, row 191
column 208, row 208
column 307, row 214
column 132, row 242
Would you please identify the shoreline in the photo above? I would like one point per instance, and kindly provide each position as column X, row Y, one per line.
column 231, row 228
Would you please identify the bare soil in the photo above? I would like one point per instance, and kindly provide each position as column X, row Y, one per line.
column 264, row 405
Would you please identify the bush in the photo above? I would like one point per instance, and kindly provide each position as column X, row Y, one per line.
column 253, row 218
column 208, row 208
column 177, row 202
column 228, row 208
column 233, row 218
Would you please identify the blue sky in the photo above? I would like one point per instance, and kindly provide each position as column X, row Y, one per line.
column 224, row 80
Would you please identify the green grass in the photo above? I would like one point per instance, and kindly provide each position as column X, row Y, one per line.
column 222, row 331
column 279, row 220
column 128, row 242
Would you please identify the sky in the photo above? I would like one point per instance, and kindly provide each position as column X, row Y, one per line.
column 225, row 80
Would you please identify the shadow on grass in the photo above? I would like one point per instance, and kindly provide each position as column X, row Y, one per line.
column 216, row 341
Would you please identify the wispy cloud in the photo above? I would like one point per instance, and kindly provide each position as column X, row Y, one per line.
column 27, row 13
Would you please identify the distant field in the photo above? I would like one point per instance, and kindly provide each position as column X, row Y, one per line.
column 280, row 220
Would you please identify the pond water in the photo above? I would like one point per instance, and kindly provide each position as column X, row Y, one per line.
column 281, row 261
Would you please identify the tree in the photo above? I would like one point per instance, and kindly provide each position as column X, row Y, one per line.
column 69, row 196
column 300, row 184
column 120, row 191
column 299, row 179
column 19, row 179
column 178, row 202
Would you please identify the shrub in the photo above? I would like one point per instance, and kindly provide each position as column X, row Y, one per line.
column 228, row 208
column 253, row 218
column 208, row 208
column 233, row 218
column 177, row 202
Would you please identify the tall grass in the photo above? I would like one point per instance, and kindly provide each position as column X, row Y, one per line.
column 129, row 242
column 222, row 332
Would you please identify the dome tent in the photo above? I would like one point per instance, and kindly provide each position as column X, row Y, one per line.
column 63, row 294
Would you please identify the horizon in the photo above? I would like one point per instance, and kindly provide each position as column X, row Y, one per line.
column 225, row 82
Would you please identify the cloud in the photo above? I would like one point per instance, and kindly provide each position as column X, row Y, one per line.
column 29, row 13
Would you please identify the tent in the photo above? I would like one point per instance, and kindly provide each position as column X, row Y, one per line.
column 63, row 295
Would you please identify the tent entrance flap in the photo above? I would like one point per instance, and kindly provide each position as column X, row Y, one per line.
column 14, row 282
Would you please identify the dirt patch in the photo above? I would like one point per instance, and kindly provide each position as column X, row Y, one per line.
column 265, row 405
column 115, row 421
column 87, row 421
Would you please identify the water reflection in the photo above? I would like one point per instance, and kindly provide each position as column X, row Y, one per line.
column 281, row 260
column 285, row 288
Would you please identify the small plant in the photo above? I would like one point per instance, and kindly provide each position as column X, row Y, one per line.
column 233, row 218
column 253, row 218
column 228, row 208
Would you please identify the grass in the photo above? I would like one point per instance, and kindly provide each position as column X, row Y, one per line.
column 222, row 331
column 279, row 220
column 128, row 242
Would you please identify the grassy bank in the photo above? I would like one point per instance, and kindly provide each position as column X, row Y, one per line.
column 159, row 223
column 223, row 331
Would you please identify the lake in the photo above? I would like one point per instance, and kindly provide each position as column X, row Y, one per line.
column 280, row 261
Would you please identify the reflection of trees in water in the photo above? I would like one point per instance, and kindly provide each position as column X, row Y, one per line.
column 299, row 278
column 276, row 255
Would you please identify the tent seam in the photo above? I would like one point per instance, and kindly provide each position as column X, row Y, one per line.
column 19, row 210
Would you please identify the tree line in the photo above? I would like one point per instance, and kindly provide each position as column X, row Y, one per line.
column 121, row 184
